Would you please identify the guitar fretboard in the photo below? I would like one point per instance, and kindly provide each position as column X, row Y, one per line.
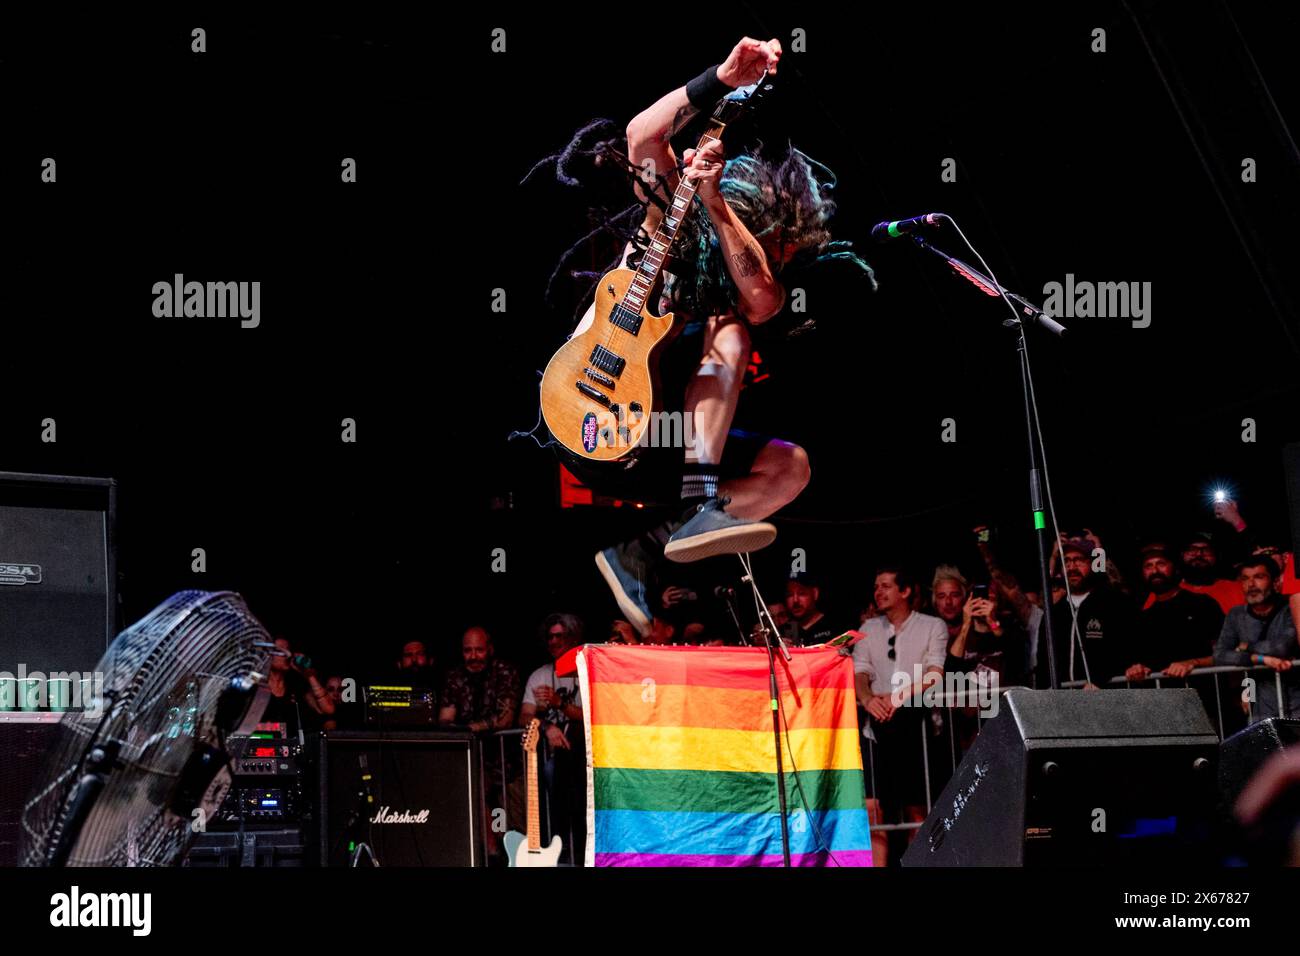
column 534, row 821
column 679, row 206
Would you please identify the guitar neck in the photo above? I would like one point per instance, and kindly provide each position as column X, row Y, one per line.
column 534, row 821
column 679, row 206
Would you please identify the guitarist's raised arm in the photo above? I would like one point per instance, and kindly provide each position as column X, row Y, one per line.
column 649, row 132
column 761, row 296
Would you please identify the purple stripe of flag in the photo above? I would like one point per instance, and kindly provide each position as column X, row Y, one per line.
column 842, row 858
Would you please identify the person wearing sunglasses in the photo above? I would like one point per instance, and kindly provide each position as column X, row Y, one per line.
column 903, row 651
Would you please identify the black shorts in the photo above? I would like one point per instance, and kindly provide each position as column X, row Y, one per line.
column 654, row 475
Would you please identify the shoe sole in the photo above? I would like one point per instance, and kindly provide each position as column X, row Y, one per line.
column 631, row 610
column 708, row 544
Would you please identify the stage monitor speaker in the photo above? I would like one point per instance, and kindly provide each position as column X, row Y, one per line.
column 1076, row 778
column 58, row 572
column 25, row 742
column 1245, row 752
column 420, row 807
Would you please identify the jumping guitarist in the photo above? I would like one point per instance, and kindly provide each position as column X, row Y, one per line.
column 751, row 217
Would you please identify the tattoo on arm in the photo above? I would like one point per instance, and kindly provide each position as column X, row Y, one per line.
column 683, row 116
column 747, row 262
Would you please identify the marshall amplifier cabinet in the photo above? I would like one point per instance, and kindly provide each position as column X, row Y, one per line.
column 58, row 596
column 409, row 798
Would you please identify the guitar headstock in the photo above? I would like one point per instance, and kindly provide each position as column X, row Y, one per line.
column 531, row 735
column 744, row 98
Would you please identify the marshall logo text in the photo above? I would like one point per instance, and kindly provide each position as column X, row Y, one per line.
column 406, row 816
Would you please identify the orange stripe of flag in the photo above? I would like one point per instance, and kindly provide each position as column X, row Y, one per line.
column 678, row 705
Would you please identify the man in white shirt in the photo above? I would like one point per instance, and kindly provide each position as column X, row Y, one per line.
column 912, row 646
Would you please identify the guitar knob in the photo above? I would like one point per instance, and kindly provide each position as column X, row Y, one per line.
column 611, row 288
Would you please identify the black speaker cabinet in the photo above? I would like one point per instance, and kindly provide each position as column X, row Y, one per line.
column 58, row 574
column 420, row 807
column 1245, row 752
column 25, row 742
column 1073, row 778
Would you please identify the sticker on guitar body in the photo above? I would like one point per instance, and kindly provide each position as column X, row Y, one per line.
column 614, row 429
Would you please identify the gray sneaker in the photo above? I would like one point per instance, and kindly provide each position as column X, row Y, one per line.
column 626, row 569
column 711, row 531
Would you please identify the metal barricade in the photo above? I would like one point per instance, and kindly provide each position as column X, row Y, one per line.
column 497, row 743
column 1215, row 673
column 947, row 703
column 950, row 700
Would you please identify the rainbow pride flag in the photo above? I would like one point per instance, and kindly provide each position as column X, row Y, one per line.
column 681, row 764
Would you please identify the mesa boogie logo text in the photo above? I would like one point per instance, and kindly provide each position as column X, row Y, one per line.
column 20, row 573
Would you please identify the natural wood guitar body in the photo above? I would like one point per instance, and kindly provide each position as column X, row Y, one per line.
column 609, row 429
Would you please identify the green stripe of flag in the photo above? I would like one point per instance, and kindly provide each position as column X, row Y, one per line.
column 721, row 791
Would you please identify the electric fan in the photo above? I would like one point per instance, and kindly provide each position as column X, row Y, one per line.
column 129, row 770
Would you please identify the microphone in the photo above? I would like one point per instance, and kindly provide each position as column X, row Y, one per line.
column 725, row 593
column 884, row 231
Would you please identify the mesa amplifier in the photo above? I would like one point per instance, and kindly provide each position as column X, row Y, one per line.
column 412, row 798
column 1071, row 777
column 58, row 572
column 395, row 706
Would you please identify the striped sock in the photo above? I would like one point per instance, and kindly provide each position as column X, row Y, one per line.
column 700, row 480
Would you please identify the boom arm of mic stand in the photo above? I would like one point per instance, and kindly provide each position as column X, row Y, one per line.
column 989, row 287
column 1031, row 311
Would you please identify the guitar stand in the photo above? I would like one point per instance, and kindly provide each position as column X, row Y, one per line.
column 772, row 638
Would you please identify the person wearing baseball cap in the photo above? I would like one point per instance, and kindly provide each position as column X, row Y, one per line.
column 1094, row 651
column 1200, row 572
column 1177, row 628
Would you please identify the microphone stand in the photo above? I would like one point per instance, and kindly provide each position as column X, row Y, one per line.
column 729, row 598
column 772, row 638
column 1028, row 312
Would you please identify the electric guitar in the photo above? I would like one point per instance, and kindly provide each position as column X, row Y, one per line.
column 528, row 850
column 600, row 388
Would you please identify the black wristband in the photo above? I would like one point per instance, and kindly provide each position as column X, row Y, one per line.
column 706, row 89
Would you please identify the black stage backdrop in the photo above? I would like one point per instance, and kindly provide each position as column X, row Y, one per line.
column 376, row 297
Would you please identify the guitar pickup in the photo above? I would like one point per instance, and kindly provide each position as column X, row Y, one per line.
column 594, row 394
column 598, row 378
column 607, row 361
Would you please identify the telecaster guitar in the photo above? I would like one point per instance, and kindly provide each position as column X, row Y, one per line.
column 528, row 850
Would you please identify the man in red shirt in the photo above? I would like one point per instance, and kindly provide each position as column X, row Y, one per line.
column 1201, row 574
